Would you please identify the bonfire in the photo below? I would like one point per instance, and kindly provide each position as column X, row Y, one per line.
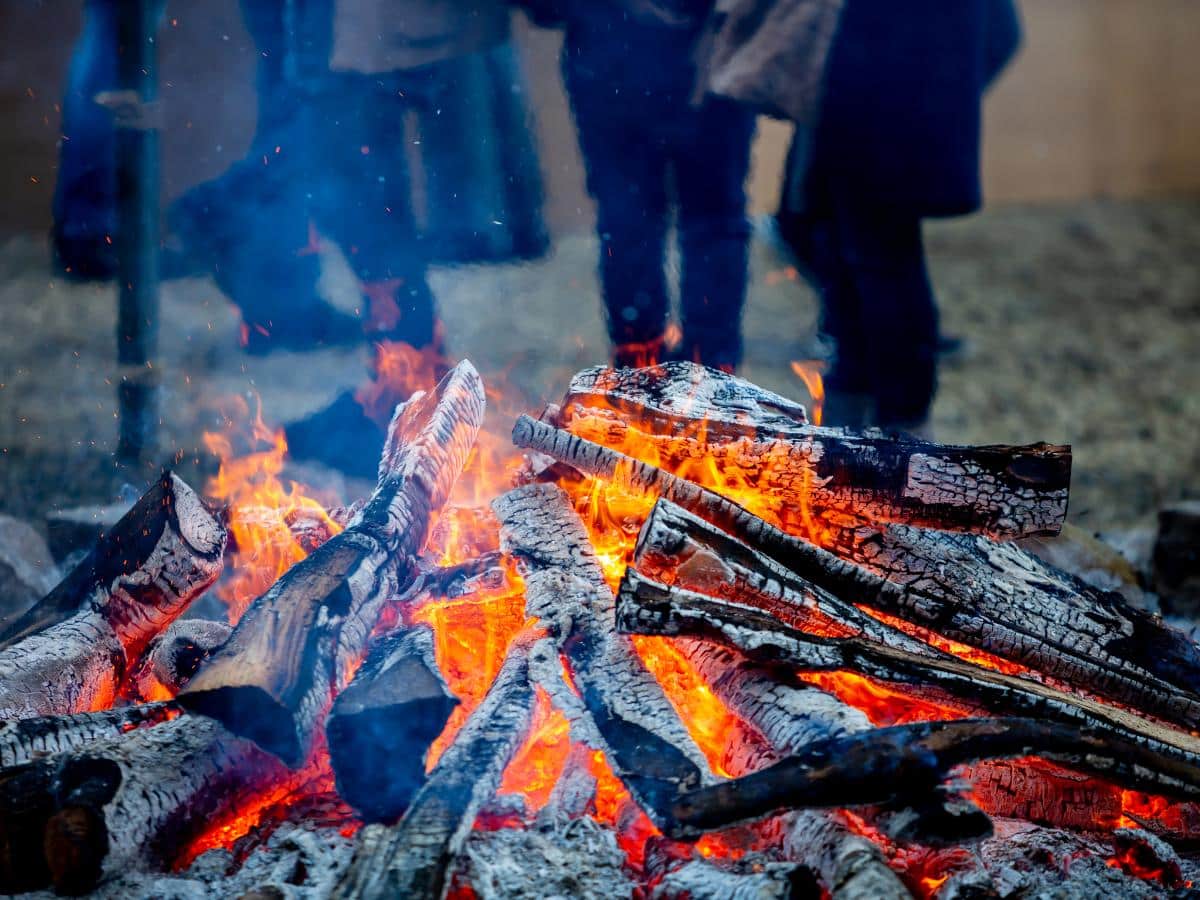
column 669, row 637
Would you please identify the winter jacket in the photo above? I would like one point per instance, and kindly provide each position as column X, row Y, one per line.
column 900, row 124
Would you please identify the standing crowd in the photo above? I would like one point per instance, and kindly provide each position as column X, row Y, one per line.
column 358, row 100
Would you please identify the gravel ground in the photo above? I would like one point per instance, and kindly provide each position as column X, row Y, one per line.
column 1084, row 322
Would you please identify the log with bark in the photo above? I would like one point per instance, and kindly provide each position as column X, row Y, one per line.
column 410, row 859
column 904, row 765
column 299, row 643
column 71, row 651
column 1084, row 637
column 686, row 415
column 381, row 725
column 647, row 744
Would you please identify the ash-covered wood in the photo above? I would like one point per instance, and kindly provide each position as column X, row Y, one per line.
column 411, row 859
column 297, row 645
column 381, row 725
column 647, row 744
column 131, row 802
column 673, row 398
column 989, row 595
column 851, row 866
column 173, row 658
column 903, row 766
column 70, row 652
column 26, row 740
column 647, row 607
column 680, row 549
column 689, row 415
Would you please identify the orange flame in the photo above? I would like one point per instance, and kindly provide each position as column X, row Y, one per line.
column 260, row 509
column 810, row 372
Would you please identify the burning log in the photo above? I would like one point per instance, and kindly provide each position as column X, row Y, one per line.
column 1067, row 630
column 647, row 744
column 298, row 644
column 411, row 858
column 792, row 716
column 133, row 802
column 174, row 656
column 26, row 740
column 688, row 415
column 381, row 725
column 70, row 652
column 682, row 550
column 905, row 765
column 850, row 865
column 647, row 607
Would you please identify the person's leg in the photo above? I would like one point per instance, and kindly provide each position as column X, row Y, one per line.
column 85, row 191
column 363, row 201
column 626, row 176
column 883, row 259
column 711, row 160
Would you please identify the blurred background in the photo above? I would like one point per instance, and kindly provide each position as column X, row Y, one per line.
column 1077, row 289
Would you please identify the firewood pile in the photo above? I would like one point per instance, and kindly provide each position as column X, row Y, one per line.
column 729, row 653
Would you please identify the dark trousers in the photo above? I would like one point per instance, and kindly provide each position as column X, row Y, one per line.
column 85, row 204
column 878, row 306
column 362, row 194
column 630, row 90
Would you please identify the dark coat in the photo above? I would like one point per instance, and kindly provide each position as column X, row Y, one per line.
column 901, row 120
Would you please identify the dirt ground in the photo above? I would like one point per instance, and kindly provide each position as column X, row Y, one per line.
column 1084, row 321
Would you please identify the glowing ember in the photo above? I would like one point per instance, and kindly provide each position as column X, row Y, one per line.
column 538, row 764
column 883, row 705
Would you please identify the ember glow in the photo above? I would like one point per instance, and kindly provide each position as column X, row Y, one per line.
column 261, row 510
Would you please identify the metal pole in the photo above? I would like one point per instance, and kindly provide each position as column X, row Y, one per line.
column 134, row 107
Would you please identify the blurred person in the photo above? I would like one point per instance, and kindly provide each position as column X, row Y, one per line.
column 449, row 62
column 649, row 145
column 249, row 226
column 85, row 191
column 897, row 140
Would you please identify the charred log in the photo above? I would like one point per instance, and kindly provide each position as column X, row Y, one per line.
column 940, row 580
column 70, row 652
column 649, row 608
column 126, row 803
column 382, row 724
column 850, row 865
column 904, row 765
column 647, row 744
column 411, row 858
column 297, row 644
column 27, row 740
column 687, row 415
column 173, row 658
